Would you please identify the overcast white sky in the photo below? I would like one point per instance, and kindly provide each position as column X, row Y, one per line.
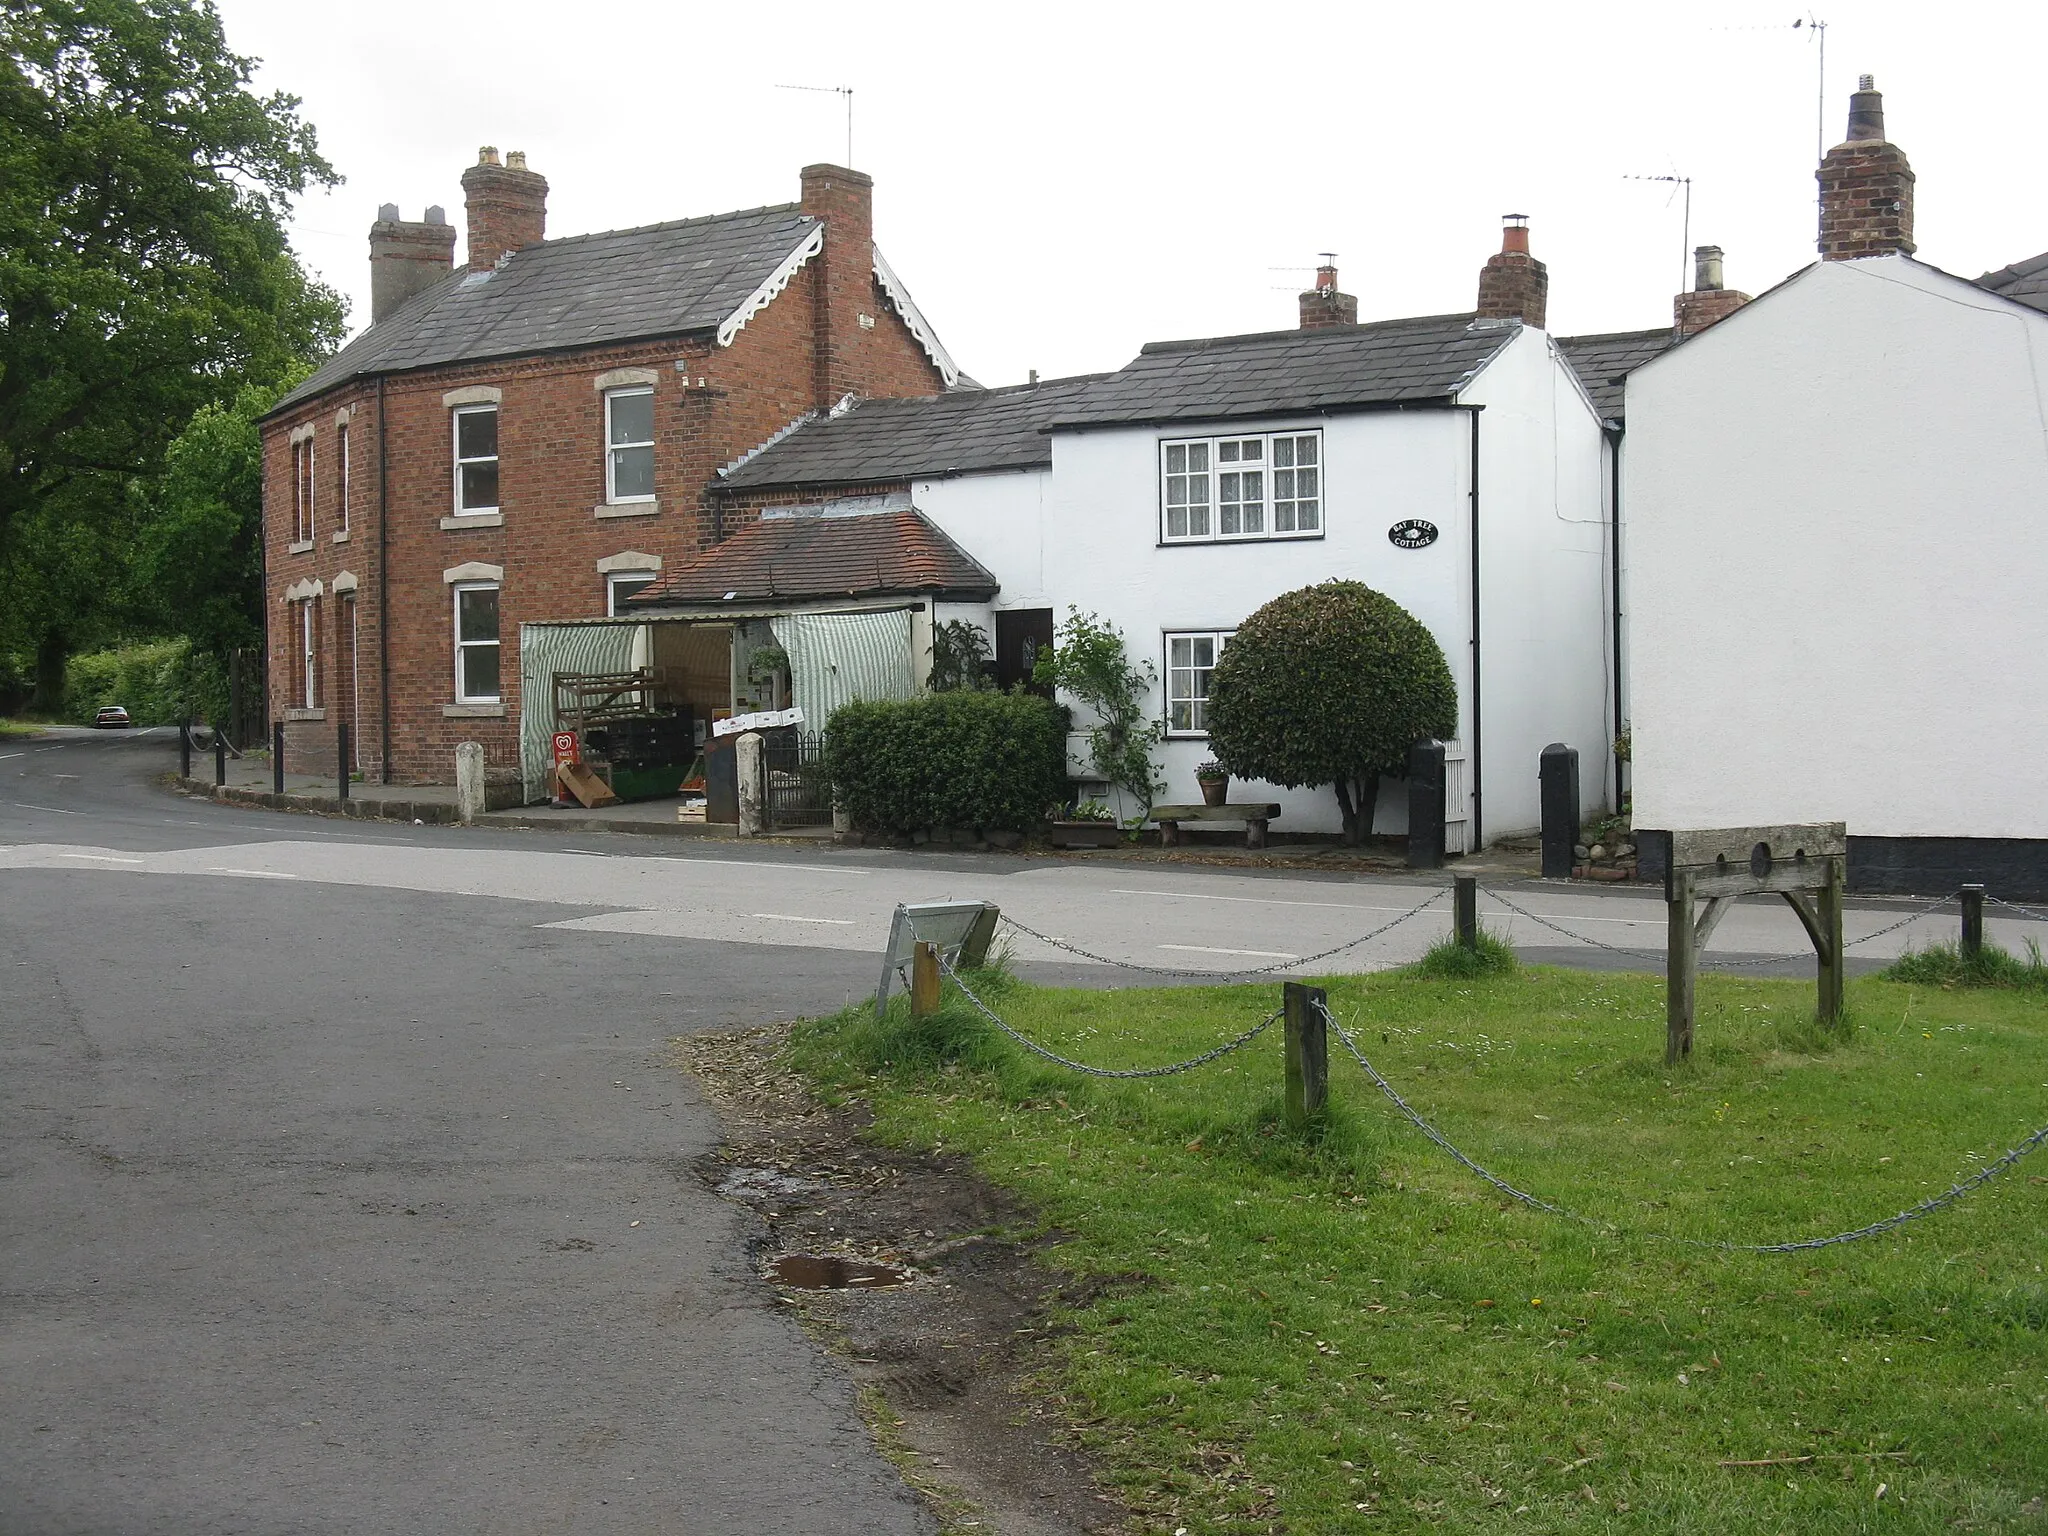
column 1058, row 183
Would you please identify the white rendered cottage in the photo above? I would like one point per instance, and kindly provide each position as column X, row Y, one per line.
column 1837, row 512
column 1453, row 462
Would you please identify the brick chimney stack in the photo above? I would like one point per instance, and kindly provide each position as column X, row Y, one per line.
column 1866, row 187
column 1710, row 299
column 507, row 206
column 1514, row 285
column 407, row 258
column 843, row 278
column 1323, row 305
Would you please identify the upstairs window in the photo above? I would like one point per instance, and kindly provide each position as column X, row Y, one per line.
column 341, row 459
column 302, row 491
column 629, row 445
column 476, row 643
column 476, row 459
column 1256, row 487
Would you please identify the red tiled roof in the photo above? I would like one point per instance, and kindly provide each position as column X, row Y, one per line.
column 809, row 556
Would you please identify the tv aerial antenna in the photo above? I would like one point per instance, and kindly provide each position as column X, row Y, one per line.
column 1678, row 184
column 833, row 90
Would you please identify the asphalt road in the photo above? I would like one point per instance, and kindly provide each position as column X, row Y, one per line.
column 344, row 1182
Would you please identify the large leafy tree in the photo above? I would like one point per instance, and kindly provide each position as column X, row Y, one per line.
column 144, row 274
column 1330, row 684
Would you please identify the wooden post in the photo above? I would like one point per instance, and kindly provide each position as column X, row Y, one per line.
column 1833, row 963
column 1465, row 909
column 1973, row 921
column 1308, row 1053
column 1681, row 972
column 341, row 753
column 924, row 980
column 277, row 756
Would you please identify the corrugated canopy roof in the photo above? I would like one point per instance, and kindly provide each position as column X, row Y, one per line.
column 1386, row 362
column 887, row 441
column 803, row 556
column 663, row 279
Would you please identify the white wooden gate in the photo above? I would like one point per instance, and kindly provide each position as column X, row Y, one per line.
column 1457, row 798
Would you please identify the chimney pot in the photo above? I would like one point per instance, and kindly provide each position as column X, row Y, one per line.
column 515, row 159
column 1866, row 187
column 1706, row 269
column 1866, row 113
column 1514, row 285
column 436, row 214
column 488, row 155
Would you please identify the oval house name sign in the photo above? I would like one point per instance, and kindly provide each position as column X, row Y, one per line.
column 1412, row 534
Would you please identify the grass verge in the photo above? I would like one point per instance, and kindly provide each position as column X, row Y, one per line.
column 1342, row 1331
column 1945, row 965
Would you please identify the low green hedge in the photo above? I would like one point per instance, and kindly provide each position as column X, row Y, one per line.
column 158, row 682
column 957, row 759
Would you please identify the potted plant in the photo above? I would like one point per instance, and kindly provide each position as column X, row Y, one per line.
column 1091, row 824
column 1215, row 781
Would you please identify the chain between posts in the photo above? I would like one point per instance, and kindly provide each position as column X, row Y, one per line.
column 1262, row 970
column 2013, row 906
column 1926, row 1207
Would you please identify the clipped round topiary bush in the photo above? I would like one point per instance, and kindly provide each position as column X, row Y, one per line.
column 1330, row 684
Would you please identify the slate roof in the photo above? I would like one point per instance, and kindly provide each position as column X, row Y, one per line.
column 1603, row 363
column 1277, row 373
column 886, row 441
column 2023, row 281
column 807, row 556
column 662, row 279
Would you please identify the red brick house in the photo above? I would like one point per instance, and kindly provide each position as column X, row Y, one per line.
column 530, row 437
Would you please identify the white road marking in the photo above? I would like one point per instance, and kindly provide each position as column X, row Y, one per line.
column 5, row 755
column 100, row 858
column 260, row 874
column 785, row 917
column 1206, row 949
column 54, row 810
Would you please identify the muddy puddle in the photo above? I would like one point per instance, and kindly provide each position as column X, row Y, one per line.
column 829, row 1272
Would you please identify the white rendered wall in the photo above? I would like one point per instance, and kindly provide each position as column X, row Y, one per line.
column 1545, row 617
column 1837, row 515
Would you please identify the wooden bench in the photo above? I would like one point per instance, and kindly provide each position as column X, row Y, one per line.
column 1254, row 815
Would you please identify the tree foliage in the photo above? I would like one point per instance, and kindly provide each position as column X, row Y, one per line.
column 1089, row 663
column 144, row 269
column 960, row 653
column 1330, row 684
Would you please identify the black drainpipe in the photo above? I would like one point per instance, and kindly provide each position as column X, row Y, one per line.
column 1478, row 825
column 1620, row 705
column 384, row 579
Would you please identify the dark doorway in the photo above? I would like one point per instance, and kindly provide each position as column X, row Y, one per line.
column 1021, row 633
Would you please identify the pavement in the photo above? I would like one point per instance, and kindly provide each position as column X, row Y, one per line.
column 345, row 1179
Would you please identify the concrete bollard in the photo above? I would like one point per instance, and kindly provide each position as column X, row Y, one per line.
column 751, row 761
column 469, row 781
column 1558, row 774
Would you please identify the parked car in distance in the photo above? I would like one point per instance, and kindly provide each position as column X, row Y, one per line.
column 111, row 715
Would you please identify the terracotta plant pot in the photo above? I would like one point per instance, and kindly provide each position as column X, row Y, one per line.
column 1215, row 791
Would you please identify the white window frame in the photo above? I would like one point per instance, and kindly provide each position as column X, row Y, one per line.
column 612, row 579
column 309, row 650
column 611, row 496
column 341, row 452
column 498, row 645
column 455, row 453
column 1221, row 638
column 1267, row 510
column 302, row 491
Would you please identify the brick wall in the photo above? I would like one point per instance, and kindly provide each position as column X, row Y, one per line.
column 551, row 480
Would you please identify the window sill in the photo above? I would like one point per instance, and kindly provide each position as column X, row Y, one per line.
column 472, row 711
column 303, row 547
column 291, row 715
column 1243, row 538
column 474, row 520
column 341, row 537
column 627, row 508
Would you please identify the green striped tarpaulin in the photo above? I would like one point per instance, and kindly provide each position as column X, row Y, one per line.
column 835, row 658
column 545, row 650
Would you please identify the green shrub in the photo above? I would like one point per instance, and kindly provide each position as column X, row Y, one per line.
column 1330, row 684
column 1945, row 965
column 959, row 759
column 1448, row 960
column 158, row 682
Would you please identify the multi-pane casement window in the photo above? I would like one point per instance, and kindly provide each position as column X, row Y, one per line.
column 1268, row 486
column 476, row 643
column 620, row 585
column 302, row 490
column 629, row 445
column 476, row 459
column 341, row 464
column 1190, row 659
